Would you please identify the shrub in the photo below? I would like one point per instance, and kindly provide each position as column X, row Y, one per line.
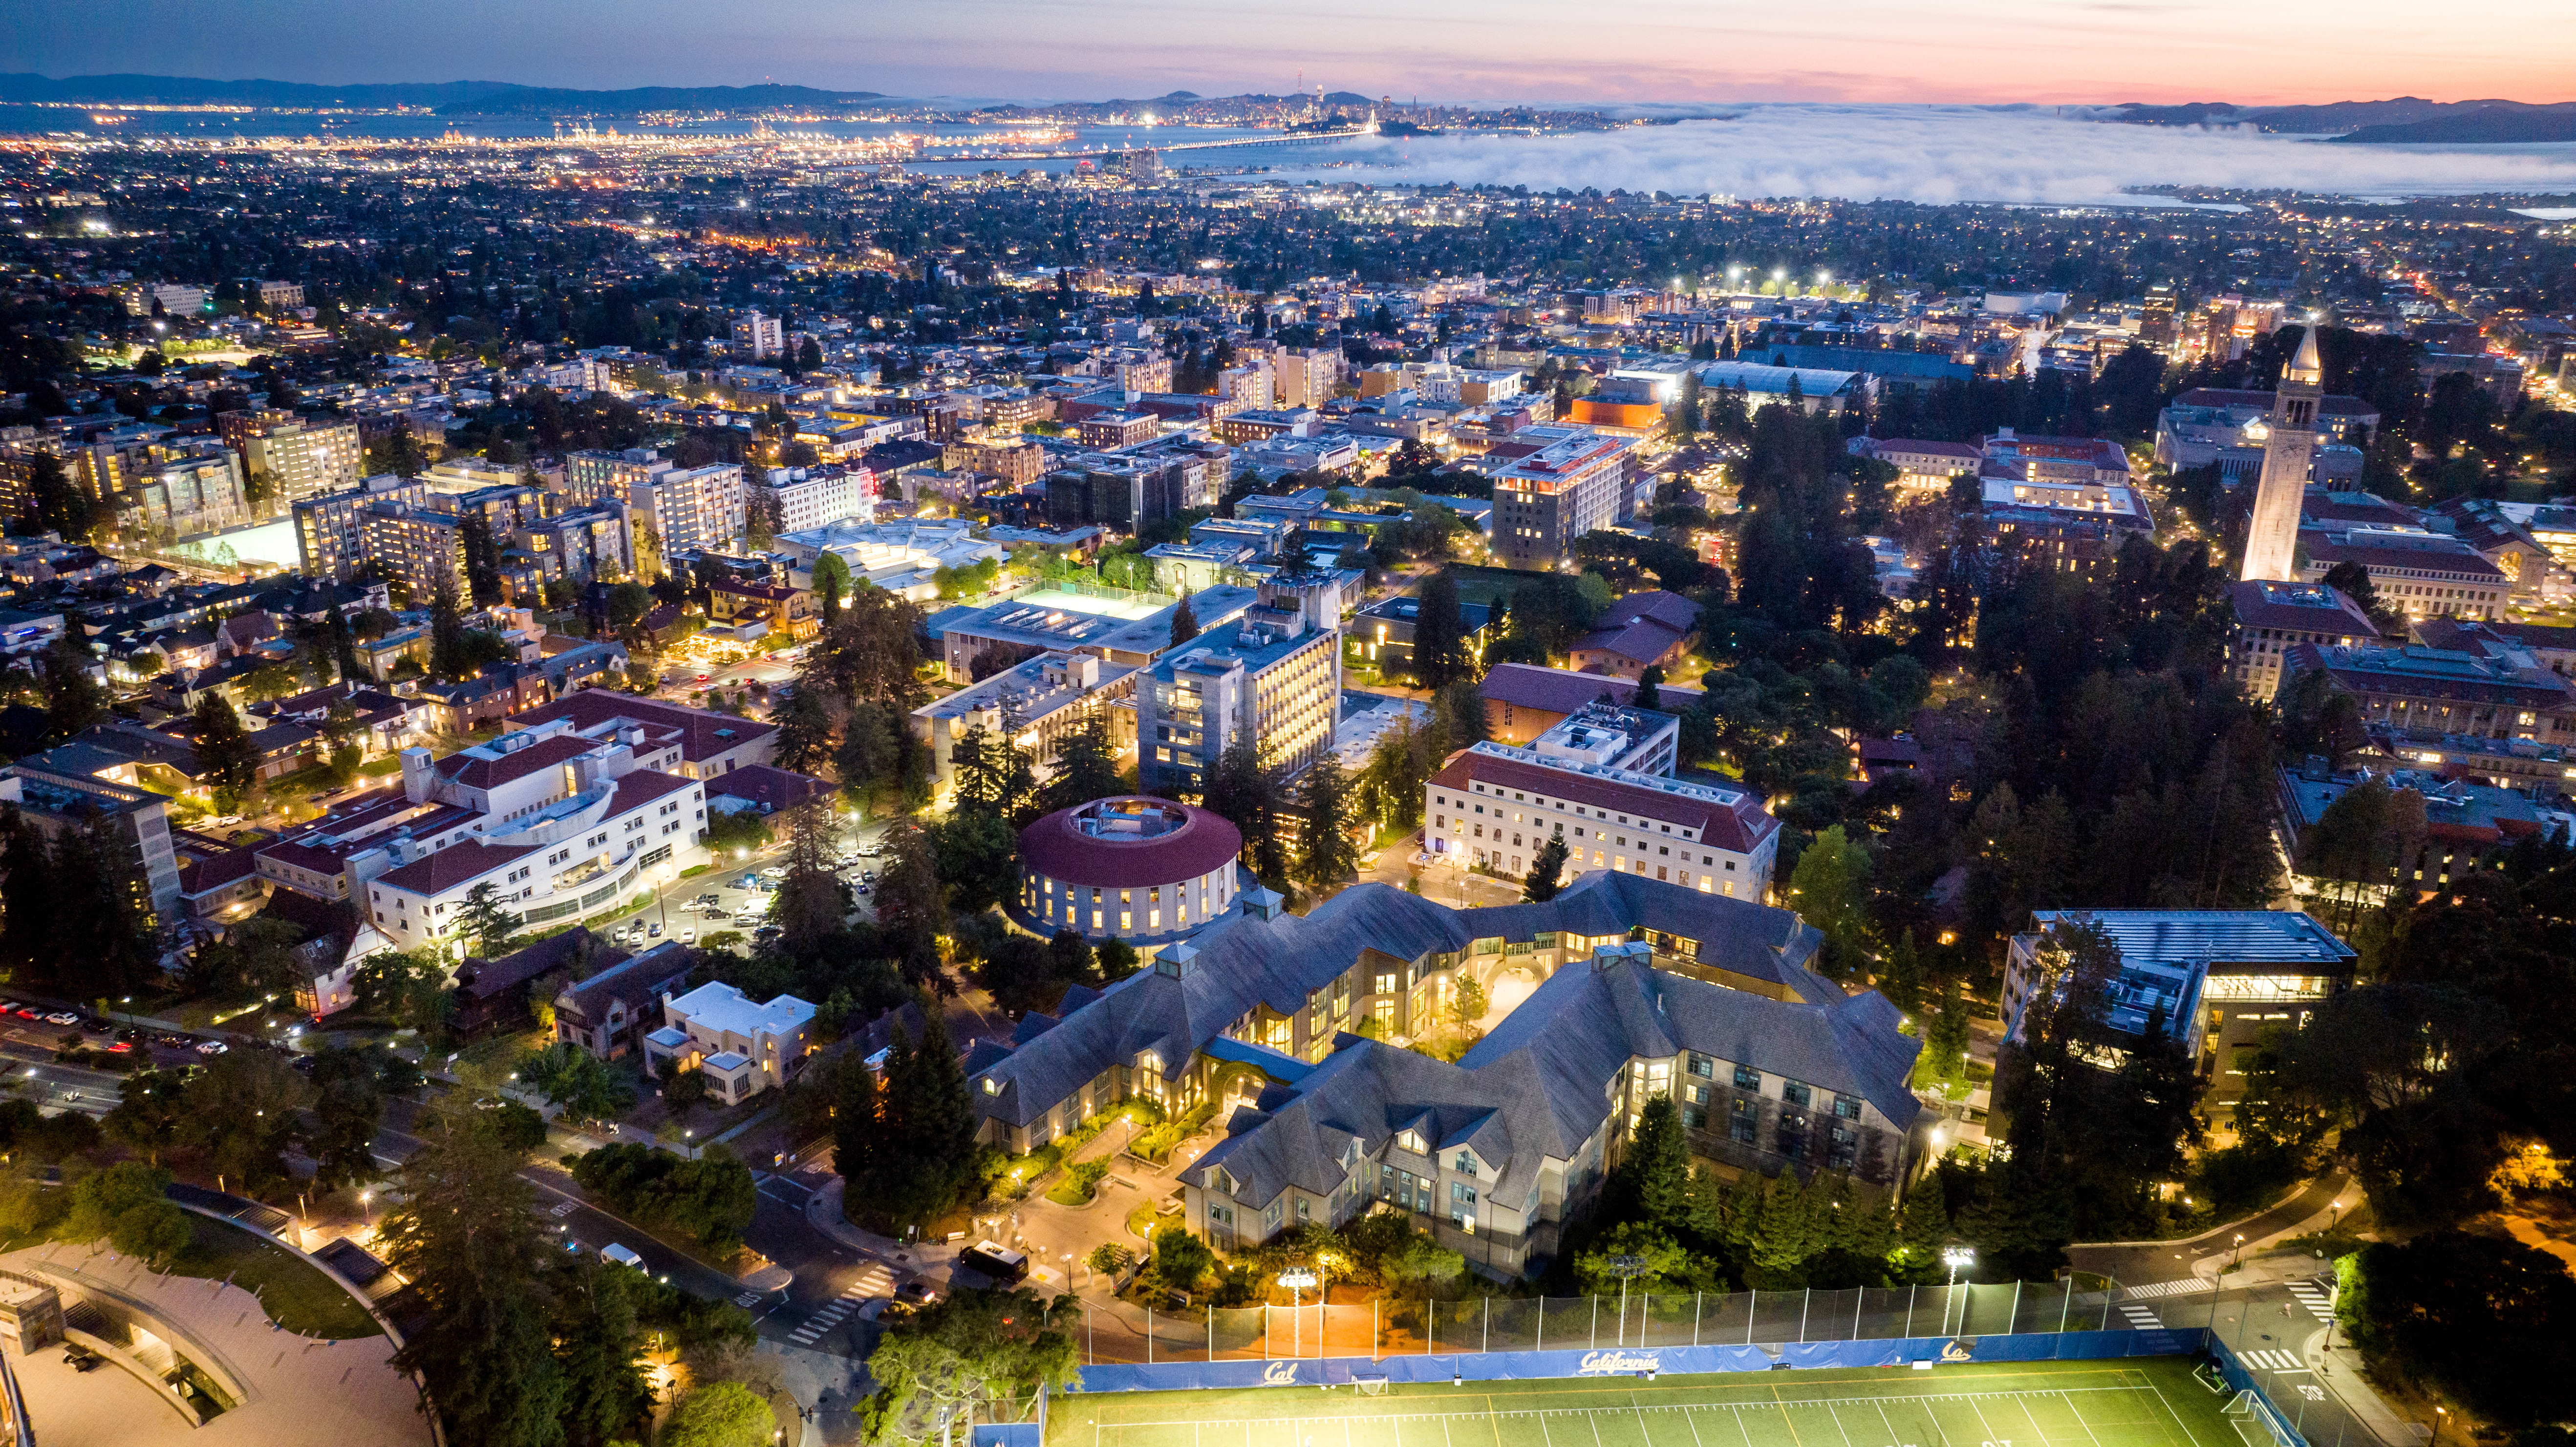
column 1081, row 1182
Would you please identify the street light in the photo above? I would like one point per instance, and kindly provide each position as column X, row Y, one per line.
column 1298, row 1280
column 1956, row 1257
column 1626, row 1268
column 2237, row 1257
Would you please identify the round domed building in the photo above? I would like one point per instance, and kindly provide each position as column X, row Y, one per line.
column 1132, row 867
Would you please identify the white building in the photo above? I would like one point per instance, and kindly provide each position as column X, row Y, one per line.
column 758, row 335
column 560, row 823
column 742, row 1048
column 699, row 508
column 812, row 497
column 1495, row 805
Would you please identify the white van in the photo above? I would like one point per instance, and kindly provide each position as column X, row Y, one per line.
column 619, row 1255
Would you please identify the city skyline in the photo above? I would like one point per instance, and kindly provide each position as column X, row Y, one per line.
column 2101, row 53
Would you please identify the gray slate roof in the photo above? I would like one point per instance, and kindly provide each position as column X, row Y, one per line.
column 1244, row 960
column 1539, row 1085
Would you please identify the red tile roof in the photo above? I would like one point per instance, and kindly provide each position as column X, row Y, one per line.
column 696, row 728
column 474, row 773
column 1740, row 827
column 1563, row 690
column 1053, row 847
column 452, row 866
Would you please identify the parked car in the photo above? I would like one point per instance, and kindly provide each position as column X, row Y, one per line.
column 62, row 1017
column 211, row 1047
column 748, row 881
column 653, row 930
column 619, row 1255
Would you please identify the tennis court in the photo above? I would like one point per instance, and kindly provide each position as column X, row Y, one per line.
column 2134, row 1402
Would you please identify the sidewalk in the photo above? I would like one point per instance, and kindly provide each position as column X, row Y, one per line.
column 823, row 1213
column 2340, row 1372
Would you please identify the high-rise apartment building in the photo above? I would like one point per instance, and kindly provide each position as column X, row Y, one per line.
column 1275, row 673
column 2272, row 538
column 330, row 528
column 1560, row 482
column 1307, row 379
column 287, row 457
column 759, row 336
column 698, row 509
column 184, row 494
column 804, row 498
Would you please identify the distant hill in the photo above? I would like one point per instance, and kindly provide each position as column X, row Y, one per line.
column 455, row 97
column 2489, row 126
column 2406, row 118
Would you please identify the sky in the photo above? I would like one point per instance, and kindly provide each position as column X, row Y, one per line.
column 1480, row 51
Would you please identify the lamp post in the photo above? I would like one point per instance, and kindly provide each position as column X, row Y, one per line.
column 1297, row 1279
column 2236, row 1257
column 1955, row 1257
column 1626, row 1268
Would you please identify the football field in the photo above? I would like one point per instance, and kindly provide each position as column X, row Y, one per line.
column 2136, row 1402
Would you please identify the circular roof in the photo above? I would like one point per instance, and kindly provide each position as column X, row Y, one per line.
column 1134, row 839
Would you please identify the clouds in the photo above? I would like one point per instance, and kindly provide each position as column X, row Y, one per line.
column 1943, row 154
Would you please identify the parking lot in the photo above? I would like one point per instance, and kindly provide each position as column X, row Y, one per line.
column 735, row 899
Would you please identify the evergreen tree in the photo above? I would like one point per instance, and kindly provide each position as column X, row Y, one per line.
column 1652, row 1183
column 804, row 733
column 447, row 641
column 1326, row 853
column 1185, row 623
column 857, row 1134
column 464, row 1232
column 1650, row 694
column 491, row 928
column 1439, row 627
column 1086, row 765
column 606, row 1396
column 1825, row 889
column 225, row 752
column 1542, row 881
column 1244, row 791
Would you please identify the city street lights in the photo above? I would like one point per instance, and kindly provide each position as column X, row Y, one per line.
column 2236, row 1257
column 1298, row 1280
column 1955, row 1257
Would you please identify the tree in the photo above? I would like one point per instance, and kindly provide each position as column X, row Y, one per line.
column 809, row 906
column 347, row 1105
column 1180, row 1259
column 1634, row 1256
column 711, row 1198
column 2489, row 1322
column 1439, row 630
column 74, row 699
column 1650, row 688
column 721, row 1414
column 579, row 1083
column 151, row 1108
column 408, row 989
column 242, row 1111
column 606, row 1394
column 100, row 1200
column 464, row 1232
column 804, row 732
column 1326, row 852
column 54, row 502
column 2352, row 580
column 1244, row 791
column 856, row 1131
column 973, row 1347
column 927, row 1155
column 225, row 752
column 993, row 775
column 1826, row 889
column 483, row 920
column 1185, row 623
column 1086, row 765
column 831, row 585
column 1945, row 1038
column 1546, row 870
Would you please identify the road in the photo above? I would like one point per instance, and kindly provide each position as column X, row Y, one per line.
column 2147, row 1263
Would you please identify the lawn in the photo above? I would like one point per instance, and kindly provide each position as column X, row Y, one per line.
column 2133, row 1402
column 295, row 1293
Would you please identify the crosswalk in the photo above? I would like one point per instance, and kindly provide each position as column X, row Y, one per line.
column 874, row 1279
column 2273, row 1359
column 2184, row 1287
column 2310, row 1296
column 2140, row 1319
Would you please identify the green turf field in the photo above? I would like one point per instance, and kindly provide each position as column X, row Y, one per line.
column 2136, row 1402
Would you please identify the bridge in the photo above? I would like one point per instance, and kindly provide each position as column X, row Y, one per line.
column 1306, row 138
